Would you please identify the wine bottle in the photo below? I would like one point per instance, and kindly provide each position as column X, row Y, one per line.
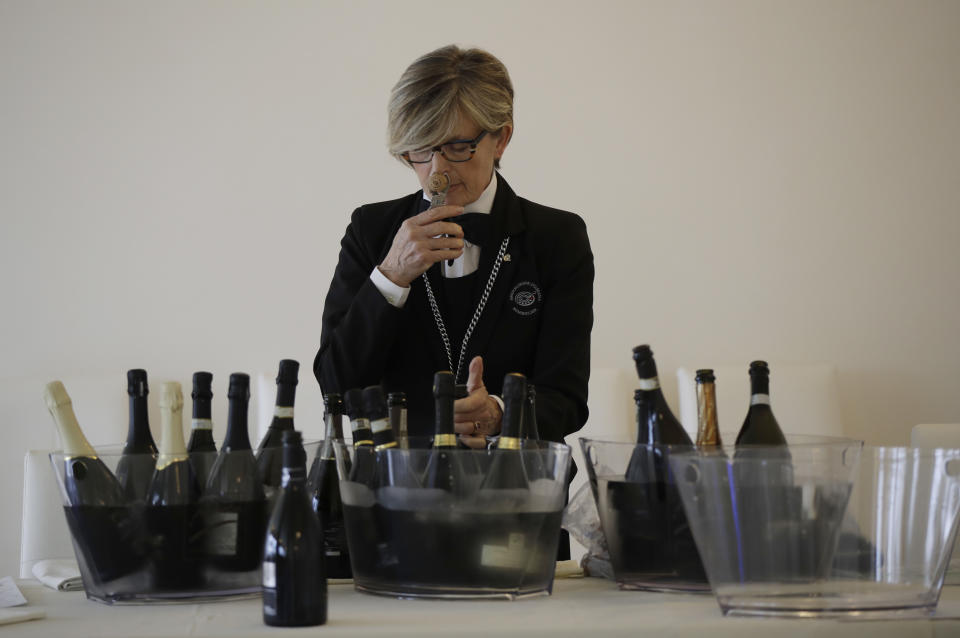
column 397, row 403
column 104, row 531
column 294, row 572
column 708, row 429
column 392, row 469
column 171, row 513
column 270, row 451
column 364, row 469
column 760, row 427
column 531, row 432
column 201, row 448
column 234, row 500
column 507, row 468
column 135, row 468
column 446, row 469
column 655, row 422
column 325, row 492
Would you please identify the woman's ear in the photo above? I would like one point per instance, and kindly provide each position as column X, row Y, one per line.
column 503, row 138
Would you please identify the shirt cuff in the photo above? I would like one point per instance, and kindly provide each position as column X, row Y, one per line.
column 395, row 295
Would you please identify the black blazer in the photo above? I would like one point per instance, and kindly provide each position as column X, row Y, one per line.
column 537, row 320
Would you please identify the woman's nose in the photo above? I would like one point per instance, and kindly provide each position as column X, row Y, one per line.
column 439, row 163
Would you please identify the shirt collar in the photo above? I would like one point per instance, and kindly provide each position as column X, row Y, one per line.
column 484, row 203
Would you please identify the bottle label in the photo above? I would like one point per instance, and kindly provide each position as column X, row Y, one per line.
column 269, row 574
column 380, row 425
column 508, row 443
column 288, row 474
column 283, row 412
column 359, row 424
column 649, row 384
column 512, row 556
column 445, row 440
column 223, row 533
column 202, row 424
column 760, row 399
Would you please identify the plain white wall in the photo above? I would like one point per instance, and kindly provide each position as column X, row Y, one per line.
column 766, row 179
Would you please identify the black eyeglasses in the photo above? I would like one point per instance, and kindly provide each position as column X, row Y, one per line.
column 455, row 151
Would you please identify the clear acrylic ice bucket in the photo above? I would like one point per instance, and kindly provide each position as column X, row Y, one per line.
column 136, row 554
column 409, row 541
column 826, row 531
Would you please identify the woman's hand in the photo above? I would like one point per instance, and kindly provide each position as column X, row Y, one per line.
column 420, row 243
column 477, row 415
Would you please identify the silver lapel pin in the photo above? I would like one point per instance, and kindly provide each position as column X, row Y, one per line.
column 506, row 257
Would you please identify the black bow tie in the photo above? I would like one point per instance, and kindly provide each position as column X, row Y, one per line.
column 476, row 227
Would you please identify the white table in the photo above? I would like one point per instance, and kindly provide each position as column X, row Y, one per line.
column 579, row 607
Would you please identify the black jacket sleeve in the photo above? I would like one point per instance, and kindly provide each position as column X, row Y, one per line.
column 561, row 368
column 359, row 324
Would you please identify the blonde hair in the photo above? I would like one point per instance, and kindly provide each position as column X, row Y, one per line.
column 441, row 87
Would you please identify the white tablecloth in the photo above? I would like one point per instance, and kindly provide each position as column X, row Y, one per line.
column 578, row 607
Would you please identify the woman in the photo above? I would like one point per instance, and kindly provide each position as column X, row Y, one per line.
column 510, row 278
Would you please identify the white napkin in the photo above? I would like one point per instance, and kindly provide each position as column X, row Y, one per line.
column 10, row 596
column 62, row 575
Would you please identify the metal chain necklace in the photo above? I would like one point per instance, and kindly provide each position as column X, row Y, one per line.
column 476, row 315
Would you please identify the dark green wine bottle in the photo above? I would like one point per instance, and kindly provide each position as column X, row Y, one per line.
column 760, row 427
column 201, row 447
column 135, row 468
column 324, row 485
column 294, row 569
column 507, row 469
column 270, row 450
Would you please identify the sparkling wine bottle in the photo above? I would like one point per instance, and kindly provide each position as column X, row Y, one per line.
column 397, row 403
column 234, row 501
column 135, row 468
column 201, row 448
column 507, row 469
column 270, row 451
column 364, row 469
column 325, row 492
column 446, row 469
column 108, row 537
column 708, row 429
column 760, row 427
column 655, row 422
column 392, row 469
column 172, row 498
column 294, row 570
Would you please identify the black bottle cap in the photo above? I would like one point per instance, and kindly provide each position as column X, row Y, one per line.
column 137, row 383
column 443, row 384
column 460, row 391
column 353, row 401
column 239, row 386
column 643, row 360
column 759, row 367
column 397, row 399
column 514, row 386
column 333, row 402
column 202, row 382
column 374, row 403
column 289, row 370
column 705, row 376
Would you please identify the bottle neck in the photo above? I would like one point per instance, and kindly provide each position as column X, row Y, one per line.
column 361, row 432
column 238, row 438
column 201, row 409
column 138, row 434
column 286, row 393
column 708, row 431
column 294, row 472
column 443, row 423
column 74, row 442
column 759, row 389
column 382, row 434
column 172, row 446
